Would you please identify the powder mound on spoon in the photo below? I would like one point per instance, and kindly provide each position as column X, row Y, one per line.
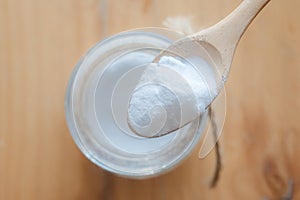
column 169, row 94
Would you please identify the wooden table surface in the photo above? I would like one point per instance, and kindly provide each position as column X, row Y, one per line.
column 41, row 41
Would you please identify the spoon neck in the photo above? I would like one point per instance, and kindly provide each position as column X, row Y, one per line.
column 238, row 21
column 226, row 34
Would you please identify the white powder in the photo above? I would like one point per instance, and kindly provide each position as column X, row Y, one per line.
column 170, row 94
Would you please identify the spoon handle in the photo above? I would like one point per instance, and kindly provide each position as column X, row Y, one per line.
column 226, row 34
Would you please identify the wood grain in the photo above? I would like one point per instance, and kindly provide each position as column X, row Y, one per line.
column 40, row 42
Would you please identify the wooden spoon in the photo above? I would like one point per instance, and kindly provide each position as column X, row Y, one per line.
column 216, row 45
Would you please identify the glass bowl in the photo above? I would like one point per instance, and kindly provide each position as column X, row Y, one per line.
column 97, row 99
